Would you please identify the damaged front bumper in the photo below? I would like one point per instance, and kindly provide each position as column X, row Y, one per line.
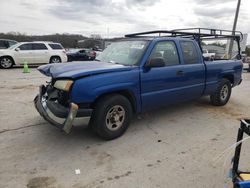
column 59, row 115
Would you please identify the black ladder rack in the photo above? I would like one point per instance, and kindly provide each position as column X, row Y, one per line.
column 195, row 33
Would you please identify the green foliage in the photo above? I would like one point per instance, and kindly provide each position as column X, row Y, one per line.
column 219, row 44
column 247, row 51
column 90, row 43
column 67, row 40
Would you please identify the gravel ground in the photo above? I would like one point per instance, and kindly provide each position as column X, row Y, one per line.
column 173, row 147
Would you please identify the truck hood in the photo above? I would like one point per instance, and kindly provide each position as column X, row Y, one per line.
column 78, row 69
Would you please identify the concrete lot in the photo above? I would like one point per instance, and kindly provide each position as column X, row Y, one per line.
column 174, row 147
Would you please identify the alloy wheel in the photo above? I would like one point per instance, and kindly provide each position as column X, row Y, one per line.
column 115, row 117
column 6, row 63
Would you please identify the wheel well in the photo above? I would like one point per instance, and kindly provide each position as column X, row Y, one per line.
column 8, row 57
column 128, row 94
column 230, row 78
column 55, row 56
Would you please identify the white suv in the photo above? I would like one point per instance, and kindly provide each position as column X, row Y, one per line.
column 32, row 53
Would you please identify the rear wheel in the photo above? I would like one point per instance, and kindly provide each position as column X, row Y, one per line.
column 222, row 94
column 55, row 59
column 111, row 116
column 6, row 62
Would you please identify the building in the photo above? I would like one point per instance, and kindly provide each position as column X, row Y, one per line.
column 96, row 43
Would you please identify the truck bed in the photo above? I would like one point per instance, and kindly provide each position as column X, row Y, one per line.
column 219, row 69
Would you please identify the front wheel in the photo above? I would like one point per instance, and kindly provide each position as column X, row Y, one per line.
column 222, row 93
column 6, row 62
column 111, row 116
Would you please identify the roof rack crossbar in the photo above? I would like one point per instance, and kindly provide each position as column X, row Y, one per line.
column 201, row 33
column 212, row 31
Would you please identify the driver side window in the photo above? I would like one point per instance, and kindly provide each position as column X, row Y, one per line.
column 167, row 51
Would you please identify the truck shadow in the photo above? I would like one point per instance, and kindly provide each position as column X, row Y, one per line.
column 86, row 136
column 156, row 126
column 170, row 113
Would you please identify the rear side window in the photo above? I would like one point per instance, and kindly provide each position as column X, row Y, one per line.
column 189, row 51
column 82, row 51
column 56, row 46
column 167, row 51
column 3, row 44
column 39, row 46
column 27, row 46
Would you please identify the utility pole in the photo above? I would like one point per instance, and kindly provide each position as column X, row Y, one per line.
column 230, row 49
column 107, row 32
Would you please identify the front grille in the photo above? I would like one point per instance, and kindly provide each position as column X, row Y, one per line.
column 62, row 97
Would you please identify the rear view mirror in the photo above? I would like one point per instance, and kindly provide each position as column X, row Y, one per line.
column 17, row 49
column 155, row 62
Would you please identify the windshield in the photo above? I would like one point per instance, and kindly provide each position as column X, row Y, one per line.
column 124, row 52
column 13, row 46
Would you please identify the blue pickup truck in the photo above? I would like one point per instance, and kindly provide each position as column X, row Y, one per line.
column 131, row 76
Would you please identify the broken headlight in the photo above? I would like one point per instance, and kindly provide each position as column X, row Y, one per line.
column 63, row 84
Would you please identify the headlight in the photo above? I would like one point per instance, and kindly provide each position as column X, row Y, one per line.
column 63, row 84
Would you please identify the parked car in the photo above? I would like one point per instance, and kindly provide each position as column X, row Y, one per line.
column 208, row 56
column 32, row 53
column 97, row 51
column 132, row 76
column 246, row 62
column 81, row 55
column 6, row 43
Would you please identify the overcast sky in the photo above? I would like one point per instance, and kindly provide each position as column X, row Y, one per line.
column 117, row 17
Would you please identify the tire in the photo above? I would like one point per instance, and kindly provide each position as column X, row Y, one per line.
column 55, row 59
column 69, row 59
column 222, row 93
column 6, row 62
column 111, row 116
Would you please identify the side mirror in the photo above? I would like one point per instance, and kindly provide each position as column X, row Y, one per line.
column 155, row 62
column 17, row 49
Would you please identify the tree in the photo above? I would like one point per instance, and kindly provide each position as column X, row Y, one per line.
column 90, row 43
column 95, row 36
column 67, row 40
column 247, row 51
column 219, row 44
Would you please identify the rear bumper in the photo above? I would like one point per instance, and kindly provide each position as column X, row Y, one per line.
column 60, row 116
column 64, row 58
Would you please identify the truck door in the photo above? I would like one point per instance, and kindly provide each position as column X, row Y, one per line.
column 172, row 83
column 162, row 85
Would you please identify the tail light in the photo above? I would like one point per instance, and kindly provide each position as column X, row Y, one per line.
column 93, row 53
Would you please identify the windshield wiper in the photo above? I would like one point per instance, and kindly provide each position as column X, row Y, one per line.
column 97, row 60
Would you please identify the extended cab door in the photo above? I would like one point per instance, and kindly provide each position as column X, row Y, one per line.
column 193, row 69
column 172, row 83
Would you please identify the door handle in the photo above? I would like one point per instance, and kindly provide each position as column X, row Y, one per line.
column 180, row 73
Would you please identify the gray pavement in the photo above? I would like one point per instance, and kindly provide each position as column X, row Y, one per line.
column 172, row 147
